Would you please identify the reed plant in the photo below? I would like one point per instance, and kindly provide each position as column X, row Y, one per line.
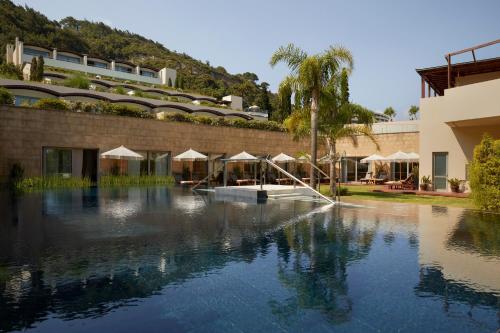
column 51, row 182
column 122, row 180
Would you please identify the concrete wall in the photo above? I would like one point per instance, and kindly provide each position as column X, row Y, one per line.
column 454, row 123
column 23, row 133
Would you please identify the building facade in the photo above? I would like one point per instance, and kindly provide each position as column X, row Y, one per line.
column 459, row 104
column 20, row 53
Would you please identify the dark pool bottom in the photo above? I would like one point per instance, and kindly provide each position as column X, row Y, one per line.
column 165, row 260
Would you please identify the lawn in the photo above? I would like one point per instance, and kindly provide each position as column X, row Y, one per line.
column 366, row 193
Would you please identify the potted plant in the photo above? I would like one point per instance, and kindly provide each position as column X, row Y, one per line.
column 425, row 183
column 455, row 184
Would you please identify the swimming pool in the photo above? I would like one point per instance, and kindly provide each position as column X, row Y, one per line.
column 164, row 260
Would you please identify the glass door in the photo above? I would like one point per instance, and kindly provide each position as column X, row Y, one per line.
column 439, row 171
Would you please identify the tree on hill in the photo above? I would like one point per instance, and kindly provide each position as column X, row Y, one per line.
column 413, row 112
column 33, row 69
column 264, row 102
column 390, row 112
column 169, row 82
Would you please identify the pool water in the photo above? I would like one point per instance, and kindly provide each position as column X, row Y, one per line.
column 165, row 260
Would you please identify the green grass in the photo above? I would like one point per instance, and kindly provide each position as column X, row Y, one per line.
column 366, row 193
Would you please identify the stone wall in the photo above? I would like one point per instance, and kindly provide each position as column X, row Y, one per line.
column 24, row 131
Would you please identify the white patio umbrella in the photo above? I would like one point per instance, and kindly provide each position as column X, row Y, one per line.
column 400, row 157
column 190, row 156
column 122, row 153
column 282, row 158
column 243, row 156
column 372, row 158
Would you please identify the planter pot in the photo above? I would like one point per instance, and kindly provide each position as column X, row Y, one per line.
column 423, row 187
column 455, row 189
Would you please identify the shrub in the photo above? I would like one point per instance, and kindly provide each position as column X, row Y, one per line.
column 77, row 81
column 6, row 96
column 116, row 180
column 11, row 71
column 484, row 174
column 342, row 191
column 219, row 121
column 51, row 182
column 16, row 173
column 51, row 104
column 119, row 90
column 123, row 110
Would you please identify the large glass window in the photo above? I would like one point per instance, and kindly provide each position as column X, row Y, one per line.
column 440, row 170
column 66, row 58
column 57, row 162
column 36, row 53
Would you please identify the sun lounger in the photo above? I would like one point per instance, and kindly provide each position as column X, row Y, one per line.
column 367, row 178
column 244, row 181
column 405, row 184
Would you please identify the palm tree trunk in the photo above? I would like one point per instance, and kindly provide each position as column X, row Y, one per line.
column 314, row 135
column 333, row 171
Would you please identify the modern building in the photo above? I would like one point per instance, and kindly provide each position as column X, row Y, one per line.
column 21, row 54
column 459, row 103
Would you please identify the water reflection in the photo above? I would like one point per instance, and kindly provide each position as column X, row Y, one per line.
column 87, row 255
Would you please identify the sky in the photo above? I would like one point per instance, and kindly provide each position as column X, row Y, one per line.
column 389, row 39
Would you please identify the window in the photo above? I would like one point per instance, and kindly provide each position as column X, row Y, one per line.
column 123, row 69
column 97, row 64
column 440, row 170
column 36, row 53
column 24, row 100
column 57, row 162
column 148, row 74
column 66, row 58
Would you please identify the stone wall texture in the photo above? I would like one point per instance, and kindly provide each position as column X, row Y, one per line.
column 24, row 131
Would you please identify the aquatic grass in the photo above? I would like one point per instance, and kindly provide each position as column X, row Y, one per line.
column 109, row 180
column 51, row 182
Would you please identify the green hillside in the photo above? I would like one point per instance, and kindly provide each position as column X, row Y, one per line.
column 98, row 39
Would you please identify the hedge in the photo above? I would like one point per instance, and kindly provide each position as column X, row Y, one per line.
column 484, row 174
column 6, row 96
column 219, row 121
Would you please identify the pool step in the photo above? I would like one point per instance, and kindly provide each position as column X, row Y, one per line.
column 294, row 196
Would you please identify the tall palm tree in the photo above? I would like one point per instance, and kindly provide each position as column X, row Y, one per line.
column 309, row 76
column 413, row 112
column 335, row 124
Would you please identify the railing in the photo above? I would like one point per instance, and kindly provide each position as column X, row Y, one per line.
column 295, row 179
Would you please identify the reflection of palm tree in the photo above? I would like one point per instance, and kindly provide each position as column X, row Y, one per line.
column 318, row 272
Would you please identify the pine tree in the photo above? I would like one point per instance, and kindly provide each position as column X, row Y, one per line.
column 39, row 69
column 33, row 69
column 344, row 87
column 169, row 82
column 177, row 81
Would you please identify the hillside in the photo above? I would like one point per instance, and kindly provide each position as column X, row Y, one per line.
column 98, row 39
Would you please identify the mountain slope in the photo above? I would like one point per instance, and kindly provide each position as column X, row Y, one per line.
column 98, row 39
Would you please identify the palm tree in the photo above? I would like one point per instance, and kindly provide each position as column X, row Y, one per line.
column 390, row 112
column 413, row 112
column 310, row 74
column 335, row 124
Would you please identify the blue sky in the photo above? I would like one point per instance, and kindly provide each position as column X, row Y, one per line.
column 388, row 38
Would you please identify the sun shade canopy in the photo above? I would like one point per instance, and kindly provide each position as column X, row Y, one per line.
column 122, row 153
column 243, row 156
column 190, row 155
column 372, row 158
column 283, row 158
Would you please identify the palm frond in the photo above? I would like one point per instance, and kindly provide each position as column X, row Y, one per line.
column 290, row 54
